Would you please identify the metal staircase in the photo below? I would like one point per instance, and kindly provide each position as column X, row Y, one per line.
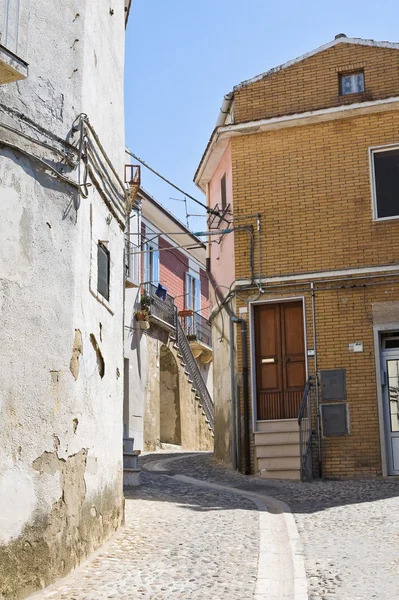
column 201, row 390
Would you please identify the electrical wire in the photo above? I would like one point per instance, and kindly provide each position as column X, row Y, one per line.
column 147, row 166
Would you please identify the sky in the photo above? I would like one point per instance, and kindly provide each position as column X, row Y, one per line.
column 182, row 56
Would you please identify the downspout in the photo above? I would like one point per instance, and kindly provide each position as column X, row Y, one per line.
column 245, row 385
column 233, row 399
column 320, row 462
column 224, row 111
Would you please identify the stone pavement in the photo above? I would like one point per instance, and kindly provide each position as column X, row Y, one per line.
column 179, row 542
column 184, row 541
column 348, row 528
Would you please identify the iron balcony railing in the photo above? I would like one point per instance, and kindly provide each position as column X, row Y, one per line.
column 194, row 372
column 198, row 328
column 14, row 25
column 161, row 309
column 305, row 432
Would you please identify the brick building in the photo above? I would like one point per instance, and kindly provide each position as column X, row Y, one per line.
column 304, row 166
column 168, row 345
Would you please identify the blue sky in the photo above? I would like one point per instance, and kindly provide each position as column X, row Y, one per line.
column 182, row 56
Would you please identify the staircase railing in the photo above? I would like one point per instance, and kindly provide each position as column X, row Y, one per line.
column 305, row 432
column 195, row 374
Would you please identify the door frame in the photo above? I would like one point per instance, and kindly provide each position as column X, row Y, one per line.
column 252, row 305
column 378, row 330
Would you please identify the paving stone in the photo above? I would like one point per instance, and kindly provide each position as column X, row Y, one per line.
column 179, row 541
column 348, row 528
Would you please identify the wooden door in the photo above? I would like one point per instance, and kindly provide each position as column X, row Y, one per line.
column 280, row 360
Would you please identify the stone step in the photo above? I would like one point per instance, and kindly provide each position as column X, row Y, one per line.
column 264, row 438
column 130, row 461
column 278, row 450
column 294, row 474
column 131, row 477
column 279, row 463
column 281, row 425
column 128, row 444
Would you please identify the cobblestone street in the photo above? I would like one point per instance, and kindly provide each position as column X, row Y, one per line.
column 183, row 541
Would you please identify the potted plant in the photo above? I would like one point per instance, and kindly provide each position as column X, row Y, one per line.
column 143, row 313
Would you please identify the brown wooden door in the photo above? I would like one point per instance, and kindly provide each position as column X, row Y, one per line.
column 280, row 360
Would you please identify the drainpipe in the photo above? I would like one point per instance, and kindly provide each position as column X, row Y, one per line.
column 320, row 463
column 233, row 400
column 227, row 100
column 245, row 386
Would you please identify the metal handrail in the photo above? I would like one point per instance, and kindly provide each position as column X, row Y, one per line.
column 161, row 309
column 198, row 328
column 304, row 400
column 305, row 432
column 194, row 372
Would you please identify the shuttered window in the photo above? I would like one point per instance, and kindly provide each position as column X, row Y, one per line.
column 103, row 270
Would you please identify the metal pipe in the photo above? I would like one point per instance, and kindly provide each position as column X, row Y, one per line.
column 245, row 385
column 320, row 462
column 233, row 399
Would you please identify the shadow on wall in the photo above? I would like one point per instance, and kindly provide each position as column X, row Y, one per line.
column 170, row 422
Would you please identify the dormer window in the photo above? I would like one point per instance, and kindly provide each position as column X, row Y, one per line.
column 351, row 83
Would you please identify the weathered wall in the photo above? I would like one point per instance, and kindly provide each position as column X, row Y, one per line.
column 195, row 433
column 222, row 387
column 61, row 347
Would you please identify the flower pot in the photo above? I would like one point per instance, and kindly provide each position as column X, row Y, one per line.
column 144, row 325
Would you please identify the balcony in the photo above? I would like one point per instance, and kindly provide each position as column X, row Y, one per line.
column 199, row 334
column 162, row 312
column 14, row 23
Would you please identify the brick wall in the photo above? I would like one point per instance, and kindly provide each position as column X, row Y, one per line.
column 344, row 315
column 313, row 83
column 311, row 185
column 172, row 272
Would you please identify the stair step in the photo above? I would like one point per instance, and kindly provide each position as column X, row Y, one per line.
column 279, row 463
column 264, row 438
column 128, row 444
column 282, row 425
column 130, row 461
column 134, row 453
column 279, row 450
column 293, row 474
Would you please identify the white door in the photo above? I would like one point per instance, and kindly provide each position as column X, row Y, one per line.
column 390, row 381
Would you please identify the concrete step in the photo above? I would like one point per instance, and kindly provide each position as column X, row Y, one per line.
column 128, row 444
column 130, row 461
column 131, row 477
column 278, row 450
column 264, row 438
column 282, row 425
column 279, row 463
column 294, row 474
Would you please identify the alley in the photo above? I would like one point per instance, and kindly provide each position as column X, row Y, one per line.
column 184, row 541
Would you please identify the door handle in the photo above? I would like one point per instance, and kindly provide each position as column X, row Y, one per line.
column 286, row 359
column 266, row 361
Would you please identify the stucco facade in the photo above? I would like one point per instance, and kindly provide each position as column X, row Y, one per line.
column 61, row 339
column 161, row 405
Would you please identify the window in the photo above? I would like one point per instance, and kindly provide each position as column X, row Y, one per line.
column 151, row 263
column 223, row 198
column 351, row 83
column 103, row 268
column 385, row 174
column 193, row 298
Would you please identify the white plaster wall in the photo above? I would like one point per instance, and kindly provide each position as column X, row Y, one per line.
column 136, row 351
column 75, row 65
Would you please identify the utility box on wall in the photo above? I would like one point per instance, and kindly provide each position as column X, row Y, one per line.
column 333, row 384
column 334, row 419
